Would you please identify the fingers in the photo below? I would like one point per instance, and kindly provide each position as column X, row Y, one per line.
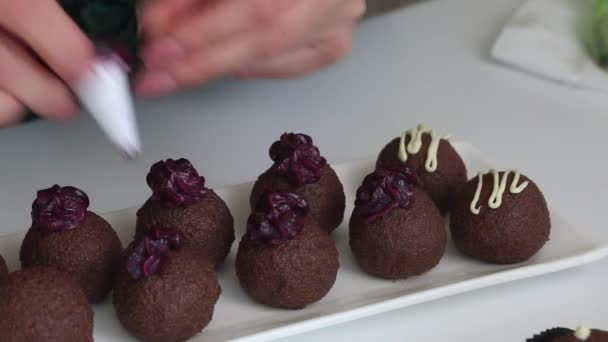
column 250, row 38
column 355, row 10
column 228, row 20
column 196, row 68
column 68, row 52
column 203, row 24
column 229, row 59
column 154, row 83
column 304, row 60
column 11, row 111
column 27, row 81
column 158, row 16
column 227, row 56
column 322, row 51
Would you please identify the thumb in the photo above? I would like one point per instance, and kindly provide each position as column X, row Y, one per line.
column 45, row 28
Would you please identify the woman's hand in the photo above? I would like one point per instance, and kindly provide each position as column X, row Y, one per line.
column 34, row 35
column 192, row 41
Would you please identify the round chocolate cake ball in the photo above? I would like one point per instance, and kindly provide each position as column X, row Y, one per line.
column 396, row 231
column 299, row 167
column 500, row 217
column 567, row 335
column 66, row 236
column 3, row 270
column 285, row 259
column 165, row 290
column 181, row 200
column 43, row 304
column 440, row 170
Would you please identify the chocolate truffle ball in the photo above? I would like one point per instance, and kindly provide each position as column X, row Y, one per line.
column 43, row 304
column 66, row 236
column 165, row 290
column 285, row 259
column 180, row 200
column 440, row 170
column 500, row 217
column 568, row 335
column 3, row 270
column 396, row 231
column 299, row 167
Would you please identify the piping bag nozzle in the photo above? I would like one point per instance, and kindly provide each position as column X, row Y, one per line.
column 105, row 93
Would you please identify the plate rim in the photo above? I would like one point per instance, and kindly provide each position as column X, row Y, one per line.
column 597, row 253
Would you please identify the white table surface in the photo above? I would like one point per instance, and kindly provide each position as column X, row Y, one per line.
column 426, row 63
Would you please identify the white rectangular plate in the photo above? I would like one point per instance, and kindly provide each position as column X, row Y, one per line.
column 354, row 294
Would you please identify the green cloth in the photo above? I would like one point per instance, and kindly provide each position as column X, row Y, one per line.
column 111, row 21
column 597, row 34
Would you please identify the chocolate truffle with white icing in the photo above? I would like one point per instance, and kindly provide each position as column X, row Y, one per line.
column 440, row 170
column 581, row 334
column 285, row 259
column 65, row 235
column 164, row 289
column 500, row 217
column 396, row 231
column 299, row 167
column 180, row 200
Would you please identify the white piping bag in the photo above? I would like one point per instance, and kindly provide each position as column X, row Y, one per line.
column 105, row 93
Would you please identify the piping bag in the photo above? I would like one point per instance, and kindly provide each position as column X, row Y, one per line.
column 104, row 91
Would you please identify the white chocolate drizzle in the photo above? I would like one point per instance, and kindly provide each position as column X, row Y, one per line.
column 474, row 208
column 415, row 144
column 582, row 333
column 498, row 189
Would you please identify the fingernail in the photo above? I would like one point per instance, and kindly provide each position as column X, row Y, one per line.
column 162, row 52
column 155, row 84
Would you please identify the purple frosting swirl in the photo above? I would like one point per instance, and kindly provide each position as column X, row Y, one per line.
column 176, row 183
column 384, row 190
column 296, row 157
column 145, row 257
column 57, row 208
column 278, row 218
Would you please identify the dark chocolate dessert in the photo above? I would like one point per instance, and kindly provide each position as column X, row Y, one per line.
column 440, row 170
column 396, row 231
column 43, row 304
column 181, row 200
column 285, row 259
column 567, row 335
column 299, row 167
column 165, row 290
column 3, row 269
column 500, row 217
column 67, row 236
